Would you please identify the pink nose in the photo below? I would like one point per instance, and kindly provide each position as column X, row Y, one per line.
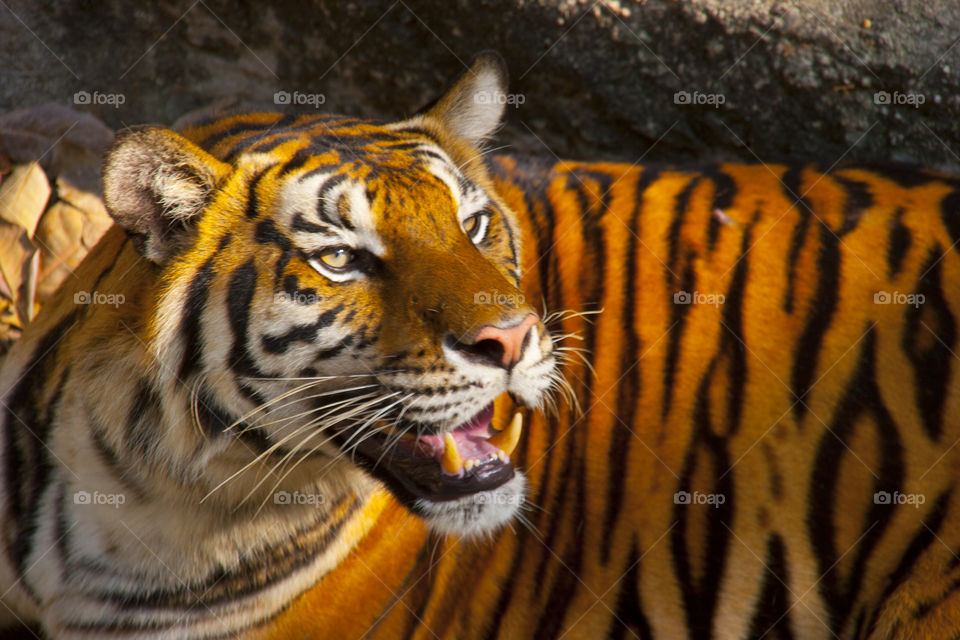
column 510, row 339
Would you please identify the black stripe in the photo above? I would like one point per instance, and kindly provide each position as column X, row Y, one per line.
column 335, row 350
column 119, row 469
column 792, row 185
column 213, row 419
column 921, row 541
column 700, row 596
column 861, row 396
column 903, row 175
column 859, row 199
column 323, row 195
column 193, row 306
column 143, row 419
column 267, row 233
column 300, row 223
column 679, row 310
column 300, row 333
column 255, row 570
column 300, row 158
column 240, row 293
column 770, row 619
column 628, row 618
column 306, row 296
column 899, row 244
column 235, row 129
column 931, row 355
column 821, row 310
column 253, row 200
column 561, row 592
column 724, row 190
column 26, row 430
column 732, row 338
column 950, row 214
column 629, row 392
column 25, row 543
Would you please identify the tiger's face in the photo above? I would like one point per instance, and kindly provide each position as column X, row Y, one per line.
column 350, row 294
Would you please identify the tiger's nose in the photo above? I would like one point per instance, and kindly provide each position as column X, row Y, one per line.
column 501, row 346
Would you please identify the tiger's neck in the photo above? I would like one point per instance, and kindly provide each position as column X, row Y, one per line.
column 143, row 496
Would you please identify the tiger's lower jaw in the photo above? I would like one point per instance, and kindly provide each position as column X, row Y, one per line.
column 475, row 515
column 462, row 482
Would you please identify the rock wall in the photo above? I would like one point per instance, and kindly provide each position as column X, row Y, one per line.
column 659, row 80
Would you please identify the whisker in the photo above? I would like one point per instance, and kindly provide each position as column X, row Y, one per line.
column 274, row 447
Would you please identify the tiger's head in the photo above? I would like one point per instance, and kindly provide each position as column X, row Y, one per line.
column 342, row 296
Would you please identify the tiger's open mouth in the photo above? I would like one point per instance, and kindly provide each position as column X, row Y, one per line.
column 467, row 459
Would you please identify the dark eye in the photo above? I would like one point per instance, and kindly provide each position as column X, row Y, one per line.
column 337, row 258
column 476, row 226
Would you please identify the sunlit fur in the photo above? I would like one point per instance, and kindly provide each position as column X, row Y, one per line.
column 797, row 399
column 212, row 415
column 797, row 396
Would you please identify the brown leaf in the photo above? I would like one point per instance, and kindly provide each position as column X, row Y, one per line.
column 15, row 250
column 23, row 196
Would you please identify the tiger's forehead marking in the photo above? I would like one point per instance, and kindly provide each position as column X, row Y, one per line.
column 323, row 208
column 468, row 197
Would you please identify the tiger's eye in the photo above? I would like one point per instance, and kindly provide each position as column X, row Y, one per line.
column 337, row 258
column 470, row 224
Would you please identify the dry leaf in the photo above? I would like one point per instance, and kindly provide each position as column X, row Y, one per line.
column 23, row 196
column 15, row 250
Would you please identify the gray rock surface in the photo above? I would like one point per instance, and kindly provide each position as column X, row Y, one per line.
column 873, row 80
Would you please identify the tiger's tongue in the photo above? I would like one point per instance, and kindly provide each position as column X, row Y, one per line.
column 472, row 444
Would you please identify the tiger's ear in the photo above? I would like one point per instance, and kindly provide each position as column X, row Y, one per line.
column 154, row 182
column 473, row 106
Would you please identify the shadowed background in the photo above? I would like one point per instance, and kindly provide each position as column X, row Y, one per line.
column 665, row 81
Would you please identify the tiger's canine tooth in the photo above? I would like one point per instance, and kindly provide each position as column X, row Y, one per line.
column 507, row 439
column 452, row 462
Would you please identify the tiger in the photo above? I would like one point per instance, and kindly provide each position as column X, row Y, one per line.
column 336, row 378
